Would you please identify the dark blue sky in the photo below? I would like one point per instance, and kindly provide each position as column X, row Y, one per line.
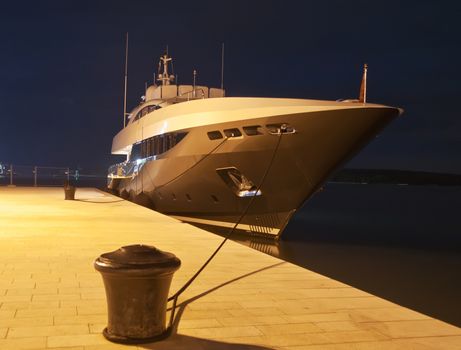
column 61, row 69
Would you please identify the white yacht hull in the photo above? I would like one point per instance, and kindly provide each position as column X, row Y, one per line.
column 186, row 182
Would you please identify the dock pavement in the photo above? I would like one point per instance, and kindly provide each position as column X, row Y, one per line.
column 52, row 298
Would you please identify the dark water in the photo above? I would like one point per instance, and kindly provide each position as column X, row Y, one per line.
column 401, row 243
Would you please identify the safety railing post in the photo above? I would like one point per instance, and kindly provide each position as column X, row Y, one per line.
column 35, row 176
column 11, row 174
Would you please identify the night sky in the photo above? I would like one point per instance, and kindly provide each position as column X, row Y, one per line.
column 62, row 63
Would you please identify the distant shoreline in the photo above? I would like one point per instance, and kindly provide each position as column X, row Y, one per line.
column 346, row 175
column 400, row 177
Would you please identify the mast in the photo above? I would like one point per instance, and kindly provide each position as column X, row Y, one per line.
column 126, row 81
column 222, row 67
column 163, row 76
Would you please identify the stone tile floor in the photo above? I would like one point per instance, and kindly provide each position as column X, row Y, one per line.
column 52, row 298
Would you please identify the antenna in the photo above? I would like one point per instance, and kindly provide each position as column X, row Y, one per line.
column 126, row 80
column 164, row 77
column 195, row 77
column 222, row 66
column 363, row 85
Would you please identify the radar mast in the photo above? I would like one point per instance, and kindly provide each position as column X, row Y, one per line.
column 163, row 77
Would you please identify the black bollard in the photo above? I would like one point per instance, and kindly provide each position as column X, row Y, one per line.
column 137, row 280
column 69, row 191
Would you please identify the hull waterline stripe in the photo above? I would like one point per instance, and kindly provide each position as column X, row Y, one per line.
column 271, row 231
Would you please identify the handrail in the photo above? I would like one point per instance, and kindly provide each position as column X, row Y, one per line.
column 130, row 115
column 184, row 93
column 13, row 174
column 36, row 175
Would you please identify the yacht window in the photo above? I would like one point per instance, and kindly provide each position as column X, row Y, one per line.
column 153, row 108
column 232, row 132
column 179, row 136
column 214, row 135
column 253, row 130
column 136, row 152
column 160, row 144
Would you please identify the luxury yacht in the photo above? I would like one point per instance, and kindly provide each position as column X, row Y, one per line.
column 211, row 160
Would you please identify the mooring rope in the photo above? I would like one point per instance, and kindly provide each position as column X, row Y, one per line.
column 175, row 296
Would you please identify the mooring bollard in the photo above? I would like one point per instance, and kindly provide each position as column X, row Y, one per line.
column 137, row 280
column 69, row 192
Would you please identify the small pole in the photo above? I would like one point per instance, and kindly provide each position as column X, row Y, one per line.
column 195, row 76
column 126, row 81
column 35, row 176
column 363, row 85
column 11, row 174
column 68, row 175
column 222, row 67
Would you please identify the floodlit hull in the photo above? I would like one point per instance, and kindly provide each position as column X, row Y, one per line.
column 287, row 168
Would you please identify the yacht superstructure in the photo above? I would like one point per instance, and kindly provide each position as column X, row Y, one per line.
column 199, row 156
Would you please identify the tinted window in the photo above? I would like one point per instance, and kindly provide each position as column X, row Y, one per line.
column 232, row 132
column 252, row 130
column 214, row 135
column 136, row 152
column 161, row 143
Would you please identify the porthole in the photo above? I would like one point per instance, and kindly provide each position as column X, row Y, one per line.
column 215, row 199
column 234, row 132
column 214, row 135
column 189, row 199
column 253, row 130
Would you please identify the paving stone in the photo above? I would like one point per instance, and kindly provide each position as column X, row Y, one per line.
column 81, row 319
column 23, row 343
column 38, row 331
column 222, row 332
column 75, row 340
column 199, row 323
column 418, row 328
column 338, row 326
column 29, row 321
column 46, row 312
column 386, row 314
column 298, row 328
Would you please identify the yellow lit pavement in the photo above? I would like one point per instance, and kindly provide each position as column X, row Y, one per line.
column 52, row 298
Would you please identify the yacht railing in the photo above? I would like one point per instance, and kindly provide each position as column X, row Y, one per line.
column 190, row 95
column 46, row 176
column 127, row 169
column 194, row 94
column 121, row 170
